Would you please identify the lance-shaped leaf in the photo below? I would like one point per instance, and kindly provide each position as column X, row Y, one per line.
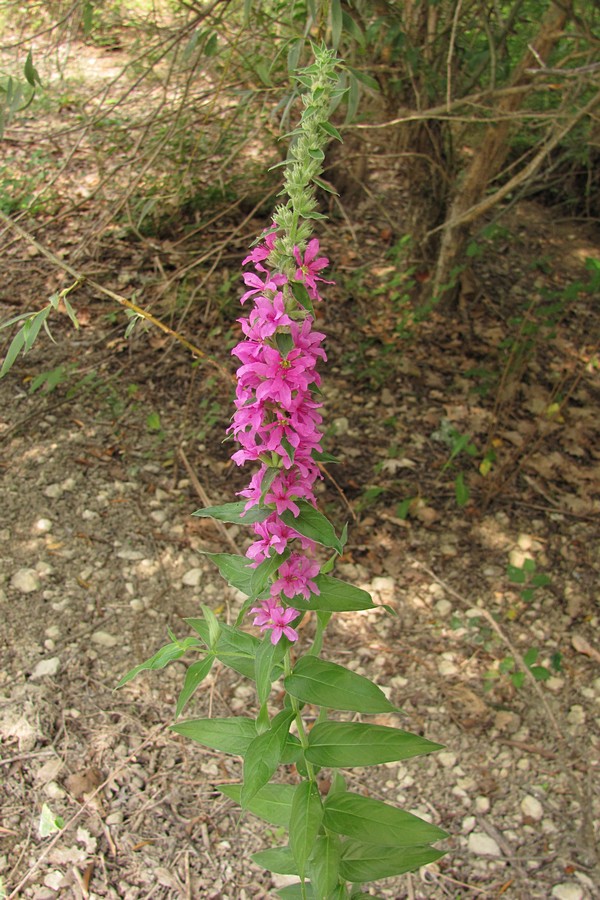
column 234, row 513
column 368, row 862
column 345, row 744
column 194, row 676
column 234, row 569
column 326, row 684
column 324, row 864
column 373, row 821
column 234, row 648
column 264, row 754
column 272, row 803
column 279, row 860
column 305, row 821
column 161, row 658
column 232, row 735
column 313, row 524
column 335, row 596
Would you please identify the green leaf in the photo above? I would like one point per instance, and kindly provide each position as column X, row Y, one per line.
column 344, row 744
column 194, row 676
column 30, row 71
column 31, row 328
column 372, row 821
column 461, row 490
column 365, row 79
column 335, row 596
column 234, row 513
column 234, row 569
column 264, row 754
column 336, row 23
column 516, row 574
column 279, row 860
column 153, row 422
column 530, row 656
column 540, row 580
column 305, row 821
column 161, row 658
column 368, row 862
column 49, row 823
column 324, row 864
column 272, row 803
column 331, row 130
column 302, row 296
column 235, row 648
column 13, row 351
column 231, row 735
column 313, row 524
column 326, row 684
column 263, row 667
column 540, row 673
column 297, row 892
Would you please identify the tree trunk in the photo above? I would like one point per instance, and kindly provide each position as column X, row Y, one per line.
column 488, row 159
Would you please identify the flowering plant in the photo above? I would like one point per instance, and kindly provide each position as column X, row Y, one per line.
column 340, row 839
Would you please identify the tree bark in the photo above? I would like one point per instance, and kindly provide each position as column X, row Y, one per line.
column 488, row 158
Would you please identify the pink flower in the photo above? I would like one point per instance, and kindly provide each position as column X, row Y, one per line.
column 270, row 614
column 295, row 577
column 310, row 266
column 258, row 286
column 263, row 250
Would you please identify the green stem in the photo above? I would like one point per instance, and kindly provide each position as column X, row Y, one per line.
column 287, row 669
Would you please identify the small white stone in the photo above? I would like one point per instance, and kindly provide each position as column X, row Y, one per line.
column 525, row 541
column 49, row 644
column 443, row 607
column 446, row 667
column 46, row 667
column 43, row 525
column 482, row 804
column 482, row 844
column 53, row 632
column 446, row 759
column 114, row 818
column 104, row 639
column 130, row 554
column 341, row 425
column 568, row 890
column 26, row 581
column 532, row 808
column 576, row 715
column 137, row 605
column 53, row 491
column 54, row 791
column 193, row 577
column 88, row 514
column 468, row 824
column 554, row 684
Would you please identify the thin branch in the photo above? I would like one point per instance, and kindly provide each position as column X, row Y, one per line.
column 118, row 298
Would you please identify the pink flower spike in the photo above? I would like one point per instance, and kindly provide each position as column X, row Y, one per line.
column 271, row 615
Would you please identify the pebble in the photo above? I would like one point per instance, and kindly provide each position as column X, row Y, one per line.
column 568, row 890
column 54, row 791
column 554, row 684
column 482, row 804
column 46, row 667
column 137, row 605
column 193, row 577
column 446, row 759
column 447, row 667
column 341, row 425
column 532, row 808
column 26, row 581
column 104, row 639
column 130, row 554
column 483, row 845
column 114, row 818
column 43, row 525
column 53, row 491
column 468, row 824
column 576, row 715
column 443, row 607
